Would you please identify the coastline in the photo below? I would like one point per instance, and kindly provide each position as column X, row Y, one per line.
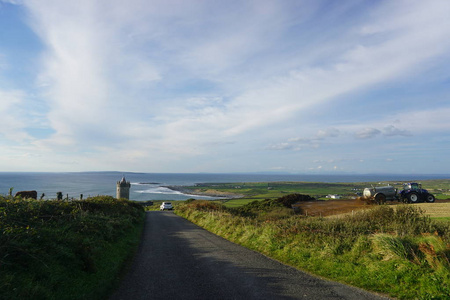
column 198, row 192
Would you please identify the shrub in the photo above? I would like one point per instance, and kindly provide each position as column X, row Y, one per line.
column 256, row 208
column 291, row 199
column 201, row 205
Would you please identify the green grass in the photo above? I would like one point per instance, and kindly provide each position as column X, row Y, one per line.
column 240, row 201
column 270, row 190
column 400, row 252
column 65, row 249
column 442, row 218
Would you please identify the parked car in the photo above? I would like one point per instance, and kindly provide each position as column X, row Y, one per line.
column 166, row 205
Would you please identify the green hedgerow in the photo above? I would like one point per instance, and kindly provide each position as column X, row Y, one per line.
column 53, row 249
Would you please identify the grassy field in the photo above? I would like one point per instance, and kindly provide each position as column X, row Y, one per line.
column 436, row 210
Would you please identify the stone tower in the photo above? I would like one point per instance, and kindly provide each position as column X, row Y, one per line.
column 123, row 189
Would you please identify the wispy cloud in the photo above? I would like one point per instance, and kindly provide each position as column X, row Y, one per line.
column 367, row 133
column 391, row 130
column 180, row 80
column 15, row 2
column 13, row 121
column 301, row 143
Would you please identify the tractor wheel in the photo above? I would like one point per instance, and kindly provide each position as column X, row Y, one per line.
column 413, row 197
column 430, row 198
column 380, row 198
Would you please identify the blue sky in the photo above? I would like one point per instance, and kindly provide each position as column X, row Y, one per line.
column 317, row 87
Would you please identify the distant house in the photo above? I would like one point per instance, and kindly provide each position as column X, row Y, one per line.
column 333, row 196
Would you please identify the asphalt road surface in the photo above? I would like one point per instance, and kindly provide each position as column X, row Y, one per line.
column 179, row 260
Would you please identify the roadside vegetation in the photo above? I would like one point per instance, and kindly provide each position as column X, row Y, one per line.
column 399, row 251
column 54, row 249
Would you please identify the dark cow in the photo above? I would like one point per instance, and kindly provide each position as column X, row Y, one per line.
column 26, row 194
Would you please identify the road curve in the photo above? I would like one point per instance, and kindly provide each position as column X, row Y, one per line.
column 179, row 260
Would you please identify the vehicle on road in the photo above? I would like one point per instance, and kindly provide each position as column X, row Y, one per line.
column 166, row 205
column 412, row 193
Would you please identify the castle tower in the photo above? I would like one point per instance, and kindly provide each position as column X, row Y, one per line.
column 123, row 189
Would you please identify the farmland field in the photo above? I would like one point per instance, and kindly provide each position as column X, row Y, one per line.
column 438, row 210
column 243, row 193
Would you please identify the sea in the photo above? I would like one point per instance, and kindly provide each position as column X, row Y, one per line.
column 155, row 186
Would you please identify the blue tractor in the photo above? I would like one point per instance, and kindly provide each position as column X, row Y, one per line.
column 414, row 193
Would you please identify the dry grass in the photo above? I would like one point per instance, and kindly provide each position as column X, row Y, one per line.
column 439, row 209
column 435, row 210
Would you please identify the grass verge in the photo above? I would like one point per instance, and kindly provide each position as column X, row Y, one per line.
column 65, row 250
column 400, row 252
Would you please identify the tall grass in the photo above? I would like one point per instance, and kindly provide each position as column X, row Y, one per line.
column 65, row 250
column 399, row 252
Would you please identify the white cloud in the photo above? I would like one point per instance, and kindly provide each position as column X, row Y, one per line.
column 367, row 133
column 404, row 48
column 178, row 79
column 407, row 123
column 330, row 132
column 391, row 130
column 281, row 146
column 300, row 143
column 13, row 116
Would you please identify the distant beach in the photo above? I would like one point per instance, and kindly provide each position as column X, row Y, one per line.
column 210, row 193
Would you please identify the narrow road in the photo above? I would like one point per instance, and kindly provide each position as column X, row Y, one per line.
column 179, row 260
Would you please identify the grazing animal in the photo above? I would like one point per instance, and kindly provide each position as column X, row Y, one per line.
column 26, row 194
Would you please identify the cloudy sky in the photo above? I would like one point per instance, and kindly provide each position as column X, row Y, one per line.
column 225, row 86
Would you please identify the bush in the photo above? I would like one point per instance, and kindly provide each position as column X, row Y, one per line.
column 257, row 208
column 201, row 205
column 291, row 199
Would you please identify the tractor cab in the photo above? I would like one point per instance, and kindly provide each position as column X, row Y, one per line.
column 412, row 186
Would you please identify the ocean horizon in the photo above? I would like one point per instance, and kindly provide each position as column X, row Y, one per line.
column 154, row 186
